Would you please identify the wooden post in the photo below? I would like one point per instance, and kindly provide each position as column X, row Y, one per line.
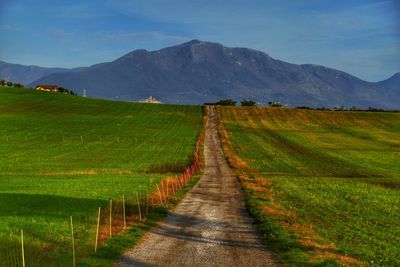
column 81, row 138
column 140, row 212
column 110, row 217
column 123, row 210
column 44, row 138
column 163, row 189
column 22, row 248
column 179, row 182
column 152, row 201
column 97, row 230
column 159, row 193
column 174, row 188
column 73, row 243
column 147, row 203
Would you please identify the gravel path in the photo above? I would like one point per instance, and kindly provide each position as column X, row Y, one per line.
column 210, row 227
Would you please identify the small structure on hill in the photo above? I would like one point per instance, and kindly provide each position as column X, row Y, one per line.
column 47, row 88
column 54, row 88
column 150, row 99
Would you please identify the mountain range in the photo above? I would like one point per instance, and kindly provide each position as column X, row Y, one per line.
column 198, row 71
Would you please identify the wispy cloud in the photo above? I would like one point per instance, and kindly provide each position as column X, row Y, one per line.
column 139, row 36
column 80, row 11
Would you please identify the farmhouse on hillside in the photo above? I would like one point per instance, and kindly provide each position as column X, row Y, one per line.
column 150, row 99
column 47, row 88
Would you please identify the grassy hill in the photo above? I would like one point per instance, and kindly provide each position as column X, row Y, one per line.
column 324, row 184
column 63, row 155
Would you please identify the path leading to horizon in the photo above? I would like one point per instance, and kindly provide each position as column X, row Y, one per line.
column 210, row 226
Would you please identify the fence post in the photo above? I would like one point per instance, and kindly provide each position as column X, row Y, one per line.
column 110, row 217
column 162, row 189
column 97, row 229
column 159, row 193
column 22, row 248
column 73, row 243
column 147, row 202
column 81, row 138
column 123, row 210
column 140, row 212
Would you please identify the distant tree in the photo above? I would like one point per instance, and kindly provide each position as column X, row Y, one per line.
column 226, row 102
column 303, row 107
column 9, row 84
column 375, row 109
column 66, row 91
column 247, row 103
column 275, row 104
column 2, row 82
column 18, row 85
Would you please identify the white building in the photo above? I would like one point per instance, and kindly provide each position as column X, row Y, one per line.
column 150, row 99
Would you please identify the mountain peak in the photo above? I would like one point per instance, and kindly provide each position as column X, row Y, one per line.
column 192, row 42
column 196, row 42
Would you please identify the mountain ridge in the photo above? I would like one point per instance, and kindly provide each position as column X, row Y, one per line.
column 25, row 73
column 200, row 71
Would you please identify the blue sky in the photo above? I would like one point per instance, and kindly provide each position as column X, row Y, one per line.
column 359, row 37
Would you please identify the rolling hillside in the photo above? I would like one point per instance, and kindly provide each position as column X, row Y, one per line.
column 325, row 185
column 198, row 72
column 64, row 156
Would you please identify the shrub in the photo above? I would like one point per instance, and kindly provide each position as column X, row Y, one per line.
column 275, row 104
column 247, row 103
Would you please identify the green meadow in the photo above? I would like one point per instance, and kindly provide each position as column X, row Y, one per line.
column 324, row 185
column 63, row 156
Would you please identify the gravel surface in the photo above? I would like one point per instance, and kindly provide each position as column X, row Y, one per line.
column 210, row 227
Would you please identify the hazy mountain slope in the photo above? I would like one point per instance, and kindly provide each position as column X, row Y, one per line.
column 24, row 74
column 392, row 85
column 197, row 72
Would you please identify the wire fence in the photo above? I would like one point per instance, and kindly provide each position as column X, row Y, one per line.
column 85, row 234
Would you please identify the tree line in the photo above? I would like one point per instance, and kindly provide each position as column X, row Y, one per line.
column 10, row 84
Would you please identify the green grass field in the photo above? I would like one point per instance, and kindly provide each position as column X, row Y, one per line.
column 64, row 156
column 330, row 182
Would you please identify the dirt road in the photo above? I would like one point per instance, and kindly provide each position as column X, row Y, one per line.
column 210, row 227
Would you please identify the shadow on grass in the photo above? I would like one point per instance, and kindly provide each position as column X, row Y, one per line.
column 13, row 204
